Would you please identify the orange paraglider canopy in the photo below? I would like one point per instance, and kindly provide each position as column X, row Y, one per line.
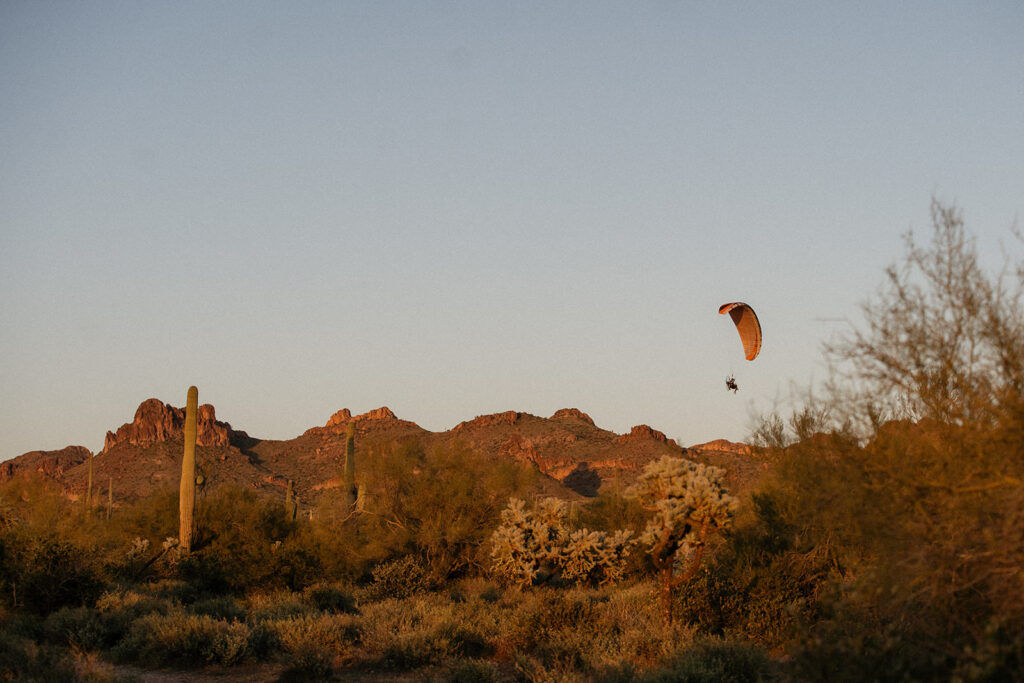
column 747, row 325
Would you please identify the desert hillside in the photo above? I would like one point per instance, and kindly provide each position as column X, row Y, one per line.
column 571, row 453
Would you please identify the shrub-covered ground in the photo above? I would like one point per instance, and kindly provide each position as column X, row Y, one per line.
column 473, row 630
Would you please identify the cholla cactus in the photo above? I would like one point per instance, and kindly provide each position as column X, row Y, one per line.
column 689, row 503
column 595, row 556
column 528, row 540
column 138, row 548
column 535, row 542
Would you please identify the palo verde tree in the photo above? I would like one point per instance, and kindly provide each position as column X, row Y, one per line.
column 912, row 469
column 689, row 504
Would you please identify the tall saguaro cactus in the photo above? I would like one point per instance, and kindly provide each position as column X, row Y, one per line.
column 187, row 491
column 350, row 466
column 88, row 491
column 291, row 502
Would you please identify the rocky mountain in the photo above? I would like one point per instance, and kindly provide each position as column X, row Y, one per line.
column 51, row 464
column 576, row 456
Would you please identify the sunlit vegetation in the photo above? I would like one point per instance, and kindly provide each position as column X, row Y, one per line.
column 887, row 544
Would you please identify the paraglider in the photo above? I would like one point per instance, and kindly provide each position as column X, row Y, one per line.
column 749, row 329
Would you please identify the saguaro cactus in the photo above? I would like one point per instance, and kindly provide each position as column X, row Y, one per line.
column 88, row 491
column 350, row 466
column 110, row 496
column 187, row 490
column 291, row 501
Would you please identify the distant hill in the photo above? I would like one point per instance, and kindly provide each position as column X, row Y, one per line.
column 574, row 455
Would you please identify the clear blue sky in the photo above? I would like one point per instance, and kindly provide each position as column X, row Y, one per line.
column 458, row 208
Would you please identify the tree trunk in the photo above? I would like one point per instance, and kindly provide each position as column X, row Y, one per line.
column 667, row 583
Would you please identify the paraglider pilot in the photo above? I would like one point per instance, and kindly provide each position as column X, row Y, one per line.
column 730, row 384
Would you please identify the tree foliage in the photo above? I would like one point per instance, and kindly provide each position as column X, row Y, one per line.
column 910, row 472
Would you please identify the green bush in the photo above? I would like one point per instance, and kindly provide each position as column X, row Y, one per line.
column 715, row 661
column 761, row 584
column 471, row 671
column 229, row 555
column 44, row 571
column 310, row 644
column 181, row 639
column 425, row 646
column 330, row 598
column 26, row 661
column 80, row 628
column 399, row 578
column 276, row 605
column 223, row 607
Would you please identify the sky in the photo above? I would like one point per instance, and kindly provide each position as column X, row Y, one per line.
column 461, row 208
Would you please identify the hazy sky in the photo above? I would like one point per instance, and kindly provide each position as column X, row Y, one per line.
column 459, row 208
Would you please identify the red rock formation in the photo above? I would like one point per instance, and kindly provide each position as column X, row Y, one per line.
column 340, row 417
column 566, row 413
column 156, row 421
column 643, row 433
column 520, row 449
column 722, row 446
column 382, row 413
column 508, row 417
column 344, row 416
column 48, row 463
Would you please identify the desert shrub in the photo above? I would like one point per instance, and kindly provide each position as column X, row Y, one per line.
column 231, row 555
column 399, row 578
column 299, row 560
column 761, row 584
column 425, row 629
column 490, row 594
column 118, row 608
column 583, row 632
column 444, row 523
column 222, row 607
column 22, row 659
column 471, row 671
column 152, row 518
column 330, row 598
column 434, row 645
column 714, row 661
column 81, row 628
column 182, row 639
column 45, row 572
column 171, row 590
column 276, row 605
column 310, row 644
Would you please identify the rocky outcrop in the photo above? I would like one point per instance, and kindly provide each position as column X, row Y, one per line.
column 339, row 418
column 643, row 433
column 509, row 417
column 155, row 421
column 51, row 464
column 382, row 413
column 376, row 421
column 344, row 416
column 722, row 446
column 572, row 414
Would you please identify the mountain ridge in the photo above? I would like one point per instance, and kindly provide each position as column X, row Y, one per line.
column 143, row 456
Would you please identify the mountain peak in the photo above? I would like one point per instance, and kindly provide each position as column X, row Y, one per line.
column 156, row 421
